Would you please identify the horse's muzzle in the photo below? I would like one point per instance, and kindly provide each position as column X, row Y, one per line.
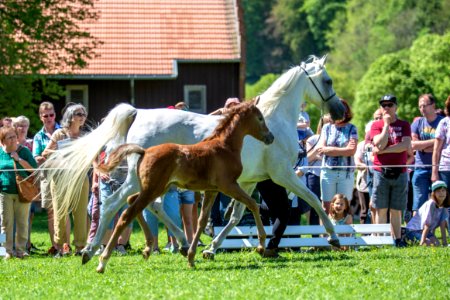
column 268, row 138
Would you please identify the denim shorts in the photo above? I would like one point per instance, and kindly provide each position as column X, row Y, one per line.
column 416, row 235
column 390, row 193
column 186, row 197
column 334, row 182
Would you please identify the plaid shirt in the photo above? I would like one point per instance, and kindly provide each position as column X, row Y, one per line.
column 41, row 139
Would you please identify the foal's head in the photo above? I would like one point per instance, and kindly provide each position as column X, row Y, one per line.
column 247, row 118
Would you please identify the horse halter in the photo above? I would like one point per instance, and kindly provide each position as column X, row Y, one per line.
column 317, row 89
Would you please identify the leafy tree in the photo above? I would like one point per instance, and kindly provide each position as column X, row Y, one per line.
column 265, row 51
column 390, row 74
column 430, row 59
column 40, row 37
column 371, row 29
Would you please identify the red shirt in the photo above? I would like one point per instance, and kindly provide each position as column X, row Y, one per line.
column 397, row 131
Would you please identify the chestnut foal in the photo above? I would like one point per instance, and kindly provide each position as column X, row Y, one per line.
column 212, row 165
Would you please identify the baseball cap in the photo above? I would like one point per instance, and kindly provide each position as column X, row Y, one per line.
column 388, row 97
column 437, row 185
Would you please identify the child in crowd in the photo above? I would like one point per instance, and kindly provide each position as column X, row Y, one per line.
column 340, row 213
column 340, row 210
column 431, row 215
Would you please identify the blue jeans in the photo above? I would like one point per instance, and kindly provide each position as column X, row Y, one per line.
column 421, row 183
column 106, row 190
column 171, row 208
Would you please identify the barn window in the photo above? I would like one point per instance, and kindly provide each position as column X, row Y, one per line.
column 77, row 94
column 195, row 98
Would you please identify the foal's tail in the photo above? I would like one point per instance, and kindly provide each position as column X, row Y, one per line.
column 67, row 167
column 118, row 155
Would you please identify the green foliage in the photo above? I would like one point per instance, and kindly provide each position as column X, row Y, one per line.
column 371, row 29
column 390, row 74
column 259, row 87
column 430, row 59
column 37, row 38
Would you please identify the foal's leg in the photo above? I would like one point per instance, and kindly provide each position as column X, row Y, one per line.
column 202, row 221
column 235, row 191
column 144, row 226
column 236, row 216
column 127, row 216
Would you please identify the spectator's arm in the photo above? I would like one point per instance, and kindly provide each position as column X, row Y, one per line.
column 443, row 227
column 380, row 140
column 425, row 231
column 404, row 145
column 348, row 150
column 418, row 145
column 438, row 144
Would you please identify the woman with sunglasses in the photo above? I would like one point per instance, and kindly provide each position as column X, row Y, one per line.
column 12, row 211
column 72, row 123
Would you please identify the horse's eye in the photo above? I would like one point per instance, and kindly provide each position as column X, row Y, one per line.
column 329, row 81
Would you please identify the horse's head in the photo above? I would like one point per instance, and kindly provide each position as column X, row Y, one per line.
column 320, row 91
column 255, row 123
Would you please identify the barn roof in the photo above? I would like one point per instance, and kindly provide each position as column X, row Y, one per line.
column 148, row 38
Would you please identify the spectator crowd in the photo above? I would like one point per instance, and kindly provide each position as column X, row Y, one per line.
column 398, row 171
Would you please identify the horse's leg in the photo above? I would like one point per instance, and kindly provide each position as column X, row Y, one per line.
column 202, row 221
column 127, row 216
column 144, row 226
column 235, row 191
column 291, row 182
column 157, row 208
column 112, row 205
column 236, row 216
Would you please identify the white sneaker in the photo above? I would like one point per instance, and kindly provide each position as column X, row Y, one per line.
column 99, row 250
column 167, row 247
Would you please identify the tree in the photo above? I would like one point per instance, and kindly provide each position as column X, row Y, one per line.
column 430, row 59
column 38, row 38
column 390, row 74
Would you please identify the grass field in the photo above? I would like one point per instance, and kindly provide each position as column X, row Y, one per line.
column 378, row 273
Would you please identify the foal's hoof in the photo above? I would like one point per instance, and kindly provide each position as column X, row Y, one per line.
column 260, row 250
column 184, row 251
column 146, row 253
column 85, row 257
column 270, row 253
column 334, row 241
column 100, row 269
column 208, row 254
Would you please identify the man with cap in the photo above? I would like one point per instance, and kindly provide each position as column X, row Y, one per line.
column 391, row 138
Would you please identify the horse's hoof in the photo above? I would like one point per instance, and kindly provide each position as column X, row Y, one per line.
column 208, row 254
column 85, row 257
column 100, row 269
column 334, row 241
column 270, row 253
column 191, row 264
column 146, row 253
column 260, row 250
column 184, row 251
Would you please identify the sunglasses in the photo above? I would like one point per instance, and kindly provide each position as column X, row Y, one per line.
column 48, row 116
column 80, row 114
column 384, row 105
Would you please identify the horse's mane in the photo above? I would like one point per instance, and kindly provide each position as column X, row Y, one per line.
column 283, row 85
column 231, row 117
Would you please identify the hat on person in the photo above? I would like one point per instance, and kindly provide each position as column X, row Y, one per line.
column 389, row 98
column 231, row 100
column 437, row 185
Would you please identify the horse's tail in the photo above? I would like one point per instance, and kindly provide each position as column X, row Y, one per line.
column 118, row 155
column 67, row 167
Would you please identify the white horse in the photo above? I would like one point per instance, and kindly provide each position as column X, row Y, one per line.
column 280, row 105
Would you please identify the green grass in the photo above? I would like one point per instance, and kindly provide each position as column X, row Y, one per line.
column 383, row 273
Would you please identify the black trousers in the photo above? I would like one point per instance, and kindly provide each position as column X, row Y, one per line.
column 277, row 200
